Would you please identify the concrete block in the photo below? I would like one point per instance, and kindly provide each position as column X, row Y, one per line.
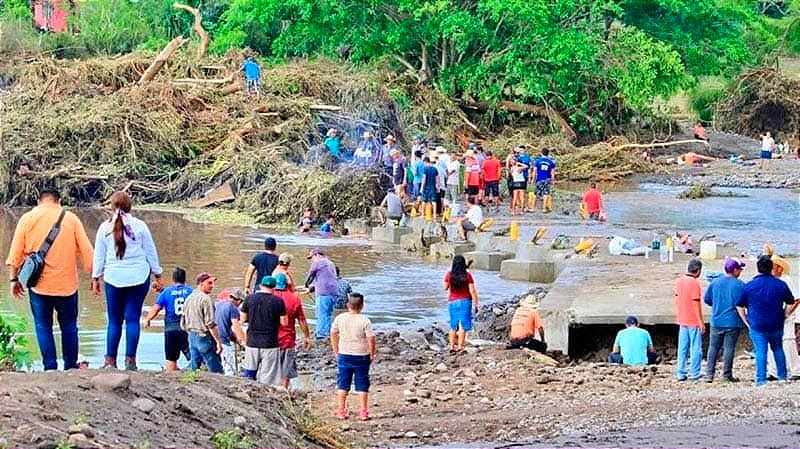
column 358, row 226
column 504, row 244
column 489, row 261
column 531, row 252
column 483, row 241
column 389, row 234
column 528, row 270
column 413, row 242
column 451, row 249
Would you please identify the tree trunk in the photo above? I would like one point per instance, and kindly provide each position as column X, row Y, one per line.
column 198, row 27
column 162, row 58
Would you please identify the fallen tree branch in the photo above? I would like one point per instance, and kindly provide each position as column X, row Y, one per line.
column 233, row 88
column 541, row 111
column 198, row 27
column 225, row 80
column 660, row 144
column 325, row 107
column 162, row 59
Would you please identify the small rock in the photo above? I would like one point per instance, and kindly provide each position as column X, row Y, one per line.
column 485, row 400
column 444, row 397
column 408, row 393
column 426, row 434
column 143, row 404
column 435, row 348
column 386, row 350
column 78, row 440
column 239, row 421
column 111, row 382
column 411, row 435
column 472, row 350
column 85, row 429
column 412, row 399
column 441, row 367
column 242, row 396
column 497, row 312
column 425, row 394
column 545, row 379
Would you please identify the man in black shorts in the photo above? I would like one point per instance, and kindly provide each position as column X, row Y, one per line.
column 171, row 299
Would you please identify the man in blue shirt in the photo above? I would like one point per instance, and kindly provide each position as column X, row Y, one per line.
column 252, row 73
column 633, row 345
column 171, row 299
column 761, row 308
column 722, row 295
column 545, row 177
column 524, row 158
column 332, row 143
column 228, row 319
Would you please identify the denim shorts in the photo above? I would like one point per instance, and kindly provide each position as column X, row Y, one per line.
column 350, row 368
column 460, row 314
column 766, row 154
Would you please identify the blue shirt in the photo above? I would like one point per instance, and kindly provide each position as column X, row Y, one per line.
column 251, row 70
column 633, row 343
column 764, row 297
column 525, row 159
column 224, row 312
column 140, row 258
column 326, row 227
column 418, row 168
column 430, row 178
column 544, row 168
column 344, row 290
column 333, row 146
column 722, row 295
column 171, row 300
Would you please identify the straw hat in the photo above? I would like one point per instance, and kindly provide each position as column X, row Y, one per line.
column 390, row 137
column 781, row 262
column 529, row 301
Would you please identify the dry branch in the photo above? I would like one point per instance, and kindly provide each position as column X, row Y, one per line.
column 198, row 27
column 660, row 144
column 162, row 58
column 325, row 107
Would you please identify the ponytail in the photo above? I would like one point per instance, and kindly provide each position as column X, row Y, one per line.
column 119, row 236
column 121, row 205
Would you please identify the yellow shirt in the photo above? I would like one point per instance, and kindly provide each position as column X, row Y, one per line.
column 60, row 274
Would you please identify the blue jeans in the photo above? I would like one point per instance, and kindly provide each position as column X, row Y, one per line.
column 690, row 346
column 324, row 311
column 124, row 304
column 725, row 338
column 66, row 309
column 775, row 342
column 203, row 349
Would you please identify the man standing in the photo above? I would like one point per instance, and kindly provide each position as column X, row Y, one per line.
column 690, row 319
column 429, row 186
column 491, row 179
column 633, row 345
column 263, row 264
column 525, row 324
column 726, row 325
column 593, row 200
column 472, row 175
column 288, row 334
column 780, row 268
column 453, row 180
column 172, row 300
column 57, row 287
column 322, row 274
column 545, row 177
column 265, row 313
column 471, row 220
column 198, row 320
column 767, row 145
column 398, row 169
column 228, row 320
column 386, row 159
column 522, row 157
column 761, row 308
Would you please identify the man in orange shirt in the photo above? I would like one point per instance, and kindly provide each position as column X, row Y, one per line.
column 57, row 288
column 689, row 316
column 472, row 175
column 490, row 169
column 524, row 326
column 594, row 202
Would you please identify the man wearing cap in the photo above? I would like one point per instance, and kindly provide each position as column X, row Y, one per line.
column 205, row 345
column 781, row 270
column 288, row 334
column 522, row 157
column 262, row 264
column 332, row 143
column 525, row 324
column 386, row 159
column 284, row 266
column 265, row 313
column 726, row 324
column 172, row 300
column 228, row 319
column 761, row 307
column 322, row 280
column 689, row 317
column 633, row 345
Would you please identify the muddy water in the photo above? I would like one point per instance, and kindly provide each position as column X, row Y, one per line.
column 400, row 289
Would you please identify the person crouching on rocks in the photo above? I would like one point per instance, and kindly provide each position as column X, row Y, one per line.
column 524, row 326
column 353, row 344
column 462, row 300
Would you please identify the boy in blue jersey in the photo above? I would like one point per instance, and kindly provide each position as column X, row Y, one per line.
column 545, row 177
column 252, row 73
column 171, row 299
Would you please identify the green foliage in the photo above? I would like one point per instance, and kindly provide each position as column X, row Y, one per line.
column 15, row 9
column 231, row 439
column 705, row 96
column 190, row 377
column 13, row 351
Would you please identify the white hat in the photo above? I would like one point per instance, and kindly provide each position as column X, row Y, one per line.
column 441, row 150
column 390, row 137
column 529, row 301
column 469, row 153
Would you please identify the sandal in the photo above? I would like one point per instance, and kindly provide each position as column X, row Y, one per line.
column 363, row 415
column 341, row 413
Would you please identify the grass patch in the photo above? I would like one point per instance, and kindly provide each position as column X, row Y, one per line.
column 702, row 190
column 312, row 427
column 232, row 439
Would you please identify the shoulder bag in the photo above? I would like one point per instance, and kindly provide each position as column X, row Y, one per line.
column 33, row 265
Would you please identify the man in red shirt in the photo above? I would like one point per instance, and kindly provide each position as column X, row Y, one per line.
column 593, row 200
column 472, row 174
column 491, row 178
column 689, row 316
column 288, row 333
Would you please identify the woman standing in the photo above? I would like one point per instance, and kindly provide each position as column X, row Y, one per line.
column 125, row 257
column 463, row 300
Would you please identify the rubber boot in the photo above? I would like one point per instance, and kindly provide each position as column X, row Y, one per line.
column 130, row 364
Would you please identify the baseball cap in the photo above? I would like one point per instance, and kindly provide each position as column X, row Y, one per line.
column 268, row 281
column 281, row 281
column 237, row 293
column 781, row 262
column 202, row 277
column 314, row 252
column 733, row 264
column 631, row 320
column 285, row 258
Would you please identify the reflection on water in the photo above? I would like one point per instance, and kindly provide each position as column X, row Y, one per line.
column 399, row 288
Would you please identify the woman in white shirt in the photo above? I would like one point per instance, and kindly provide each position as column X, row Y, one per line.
column 124, row 258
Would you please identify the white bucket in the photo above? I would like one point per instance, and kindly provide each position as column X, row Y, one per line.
column 708, row 250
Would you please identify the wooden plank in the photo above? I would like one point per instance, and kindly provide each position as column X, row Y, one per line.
column 221, row 194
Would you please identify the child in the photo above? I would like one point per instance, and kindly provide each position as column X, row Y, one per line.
column 306, row 220
column 327, row 227
column 171, row 299
column 353, row 344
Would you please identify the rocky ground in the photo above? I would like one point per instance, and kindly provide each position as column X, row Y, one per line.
column 490, row 396
column 782, row 174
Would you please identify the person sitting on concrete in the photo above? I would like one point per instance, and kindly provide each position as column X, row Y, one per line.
column 472, row 219
column 525, row 324
column 633, row 345
column 392, row 206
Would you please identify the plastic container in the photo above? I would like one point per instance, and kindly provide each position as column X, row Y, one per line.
column 655, row 245
column 708, row 250
column 670, row 245
column 513, row 231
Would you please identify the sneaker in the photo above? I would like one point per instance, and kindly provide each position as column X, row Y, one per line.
column 363, row 415
column 730, row 379
column 708, row 380
column 341, row 413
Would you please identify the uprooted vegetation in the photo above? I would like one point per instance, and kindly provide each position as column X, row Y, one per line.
column 91, row 127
